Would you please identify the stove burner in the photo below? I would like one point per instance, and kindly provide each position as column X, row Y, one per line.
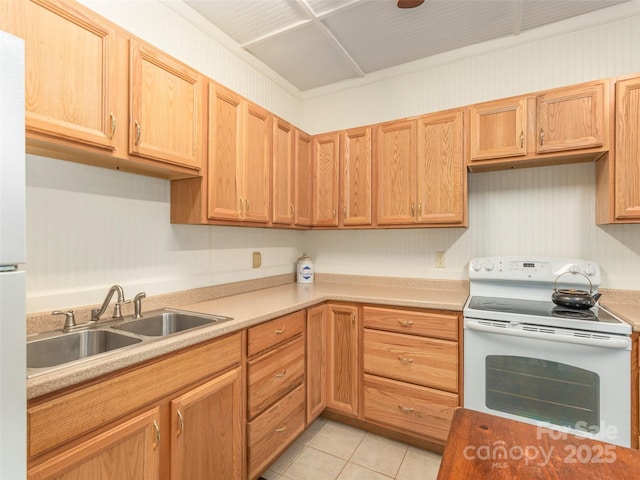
column 564, row 312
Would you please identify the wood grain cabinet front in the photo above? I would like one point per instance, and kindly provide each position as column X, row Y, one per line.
column 411, row 370
column 562, row 125
column 275, row 388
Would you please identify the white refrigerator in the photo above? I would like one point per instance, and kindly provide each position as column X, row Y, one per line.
column 13, row 368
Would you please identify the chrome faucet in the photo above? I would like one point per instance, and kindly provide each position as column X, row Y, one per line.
column 96, row 313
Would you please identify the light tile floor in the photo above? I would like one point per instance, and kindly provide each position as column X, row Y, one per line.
column 329, row 450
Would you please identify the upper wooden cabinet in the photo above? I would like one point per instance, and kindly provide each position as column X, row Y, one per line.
column 283, row 172
column 498, row 129
column 71, row 71
column 421, row 175
column 396, row 172
column 355, row 169
column 441, row 171
column 303, row 179
column 326, row 158
column 89, row 99
column 618, row 173
column 166, row 103
column 239, row 162
column 569, row 124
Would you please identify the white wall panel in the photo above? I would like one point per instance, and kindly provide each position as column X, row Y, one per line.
column 89, row 228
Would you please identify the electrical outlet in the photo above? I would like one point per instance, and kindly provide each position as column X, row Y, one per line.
column 439, row 259
column 257, row 259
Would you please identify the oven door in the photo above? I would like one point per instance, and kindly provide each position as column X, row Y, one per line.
column 567, row 380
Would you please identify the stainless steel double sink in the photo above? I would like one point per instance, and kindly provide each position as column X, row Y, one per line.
column 53, row 350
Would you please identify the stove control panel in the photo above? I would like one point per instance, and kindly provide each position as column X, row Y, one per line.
column 535, row 269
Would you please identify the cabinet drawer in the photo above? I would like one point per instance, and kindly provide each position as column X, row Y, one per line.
column 69, row 415
column 274, row 332
column 423, row 361
column 419, row 410
column 272, row 375
column 272, row 432
column 429, row 324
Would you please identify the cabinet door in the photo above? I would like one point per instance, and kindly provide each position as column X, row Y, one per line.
column 206, row 431
column 303, row 175
column 126, row 451
column 326, row 171
column 441, row 169
column 356, row 176
column 498, row 129
column 225, row 153
column 570, row 118
column 396, row 172
column 283, row 171
column 343, row 352
column 165, row 106
column 256, row 171
column 316, row 362
column 627, row 150
column 70, row 70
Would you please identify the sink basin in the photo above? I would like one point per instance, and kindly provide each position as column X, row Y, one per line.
column 167, row 322
column 63, row 348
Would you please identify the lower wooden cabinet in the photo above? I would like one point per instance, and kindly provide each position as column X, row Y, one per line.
column 128, row 450
column 275, row 389
column 316, row 356
column 343, row 354
column 411, row 371
column 206, row 430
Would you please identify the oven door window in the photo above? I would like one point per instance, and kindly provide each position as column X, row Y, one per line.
column 552, row 392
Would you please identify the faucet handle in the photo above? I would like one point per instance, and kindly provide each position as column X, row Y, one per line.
column 69, row 321
column 117, row 313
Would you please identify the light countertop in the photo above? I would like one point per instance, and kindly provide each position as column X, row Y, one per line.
column 248, row 309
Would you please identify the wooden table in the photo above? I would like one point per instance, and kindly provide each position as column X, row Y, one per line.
column 482, row 446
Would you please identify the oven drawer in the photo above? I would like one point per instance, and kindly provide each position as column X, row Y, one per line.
column 419, row 410
column 423, row 361
column 274, row 374
column 428, row 324
column 273, row 431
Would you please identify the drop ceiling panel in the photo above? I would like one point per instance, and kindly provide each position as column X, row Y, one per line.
column 379, row 35
column 304, row 56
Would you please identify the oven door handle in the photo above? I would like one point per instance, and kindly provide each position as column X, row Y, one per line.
column 621, row 343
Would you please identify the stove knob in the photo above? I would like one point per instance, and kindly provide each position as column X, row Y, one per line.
column 488, row 266
column 476, row 266
column 575, row 268
column 590, row 270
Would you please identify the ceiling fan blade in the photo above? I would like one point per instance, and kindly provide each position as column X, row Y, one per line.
column 409, row 3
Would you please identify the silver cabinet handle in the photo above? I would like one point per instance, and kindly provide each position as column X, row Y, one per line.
column 521, row 138
column 293, row 210
column 413, row 210
column 279, row 331
column 281, row 429
column 138, row 132
column 541, row 137
column 405, row 323
column 281, row 374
